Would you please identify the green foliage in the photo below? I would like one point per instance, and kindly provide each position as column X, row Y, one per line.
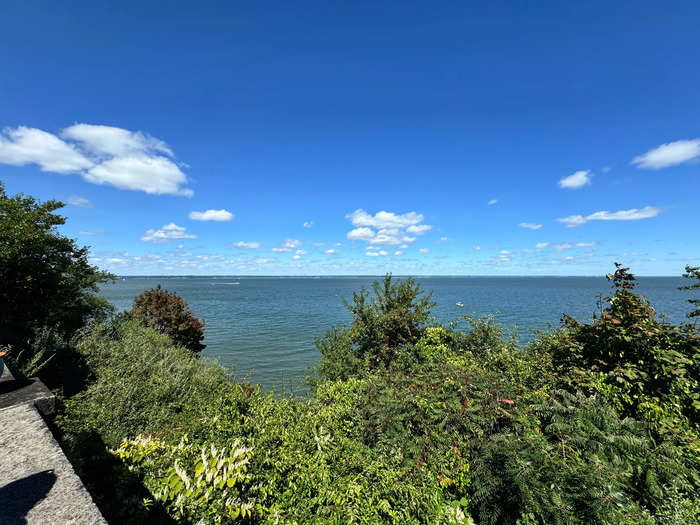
column 38, row 352
column 338, row 358
column 646, row 369
column 408, row 422
column 168, row 313
column 573, row 460
column 395, row 316
column 212, row 485
column 48, row 289
column 46, row 278
column 692, row 272
column 139, row 382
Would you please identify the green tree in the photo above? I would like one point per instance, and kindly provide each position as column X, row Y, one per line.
column 646, row 369
column 394, row 317
column 46, row 278
column 168, row 313
column 692, row 272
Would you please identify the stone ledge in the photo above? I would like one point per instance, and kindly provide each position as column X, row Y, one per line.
column 32, row 392
column 38, row 485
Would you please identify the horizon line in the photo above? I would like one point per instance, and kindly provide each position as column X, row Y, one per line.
column 382, row 275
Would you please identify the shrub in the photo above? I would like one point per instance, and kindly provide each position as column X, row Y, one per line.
column 646, row 369
column 194, row 483
column 573, row 460
column 692, row 272
column 394, row 317
column 168, row 313
column 138, row 382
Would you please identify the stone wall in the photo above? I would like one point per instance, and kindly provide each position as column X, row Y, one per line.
column 37, row 482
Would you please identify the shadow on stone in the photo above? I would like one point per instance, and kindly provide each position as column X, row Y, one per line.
column 12, row 385
column 19, row 497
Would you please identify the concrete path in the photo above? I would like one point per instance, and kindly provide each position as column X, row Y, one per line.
column 38, row 485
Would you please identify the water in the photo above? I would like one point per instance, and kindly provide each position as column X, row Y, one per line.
column 263, row 328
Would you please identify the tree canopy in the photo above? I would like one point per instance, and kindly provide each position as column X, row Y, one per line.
column 46, row 277
column 168, row 313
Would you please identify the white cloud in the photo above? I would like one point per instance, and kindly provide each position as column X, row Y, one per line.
column 391, row 236
column 383, row 253
column 505, row 252
column 562, row 246
column 669, row 154
column 100, row 154
column 585, row 244
column 212, row 215
column 492, row 202
column 372, row 254
column 167, row 233
column 153, row 175
column 530, row 225
column 114, row 142
column 247, row 245
column 623, row 215
column 308, row 224
column 361, row 234
column 418, row 229
column 576, row 180
column 384, row 219
column 398, row 252
column 77, row 200
column 424, row 250
column 477, row 248
column 296, row 257
column 331, row 252
column 541, row 245
column 391, row 228
column 287, row 246
column 300, row 252
column 22, row 145
column 95, row 232
column 444, row 239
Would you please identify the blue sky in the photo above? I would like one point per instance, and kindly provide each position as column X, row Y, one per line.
column 360, row 137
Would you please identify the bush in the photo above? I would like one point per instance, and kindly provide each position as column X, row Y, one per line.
column 646, row 369
column 138, row 381
column 168, row 313
column 573, row 460
column 393, row 318
column 692, row 272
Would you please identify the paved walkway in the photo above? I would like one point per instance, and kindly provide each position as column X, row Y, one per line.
column 38, row 485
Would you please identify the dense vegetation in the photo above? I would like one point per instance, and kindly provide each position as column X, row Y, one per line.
column 406, row 421
column 168, row 313
column 48, row 288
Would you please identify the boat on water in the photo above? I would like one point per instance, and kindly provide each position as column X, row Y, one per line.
column 460, row 304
